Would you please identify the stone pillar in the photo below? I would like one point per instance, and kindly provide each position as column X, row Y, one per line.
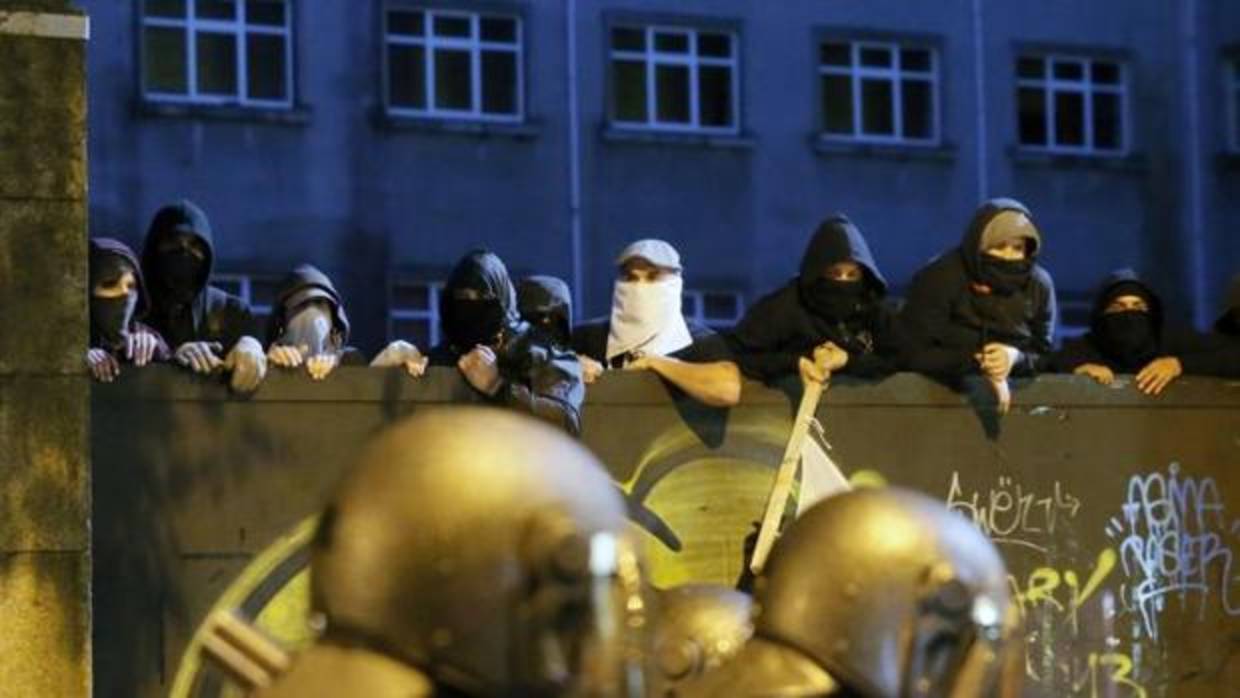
column 44, row 394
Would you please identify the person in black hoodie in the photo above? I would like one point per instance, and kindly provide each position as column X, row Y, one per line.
column 209, row 329
column 829, row 319
column 118, row 299
column 498, row 354
column 986, row 307
column 308, row 325
column 546, row 304
column 1127, row 334
column 1222, row 359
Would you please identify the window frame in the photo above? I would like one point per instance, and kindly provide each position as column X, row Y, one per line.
column 474, row 45
column 430, row 314
column 239, row 29
column 893, row 75
column 245, row 289
column 1050, row 86
column 699, row 304
column 650, row 58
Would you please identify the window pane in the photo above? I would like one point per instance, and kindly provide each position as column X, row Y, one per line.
column 407, row 76
column 689, row 305
column 267, row 12
column 406, row 23
column 1069, row 70
column 876, row 57
column 417, row 331
column 453, row 83
column 918, row 109
column 671, row 43
column 1031, row 105
column 164, row 62
column 499, row 29
column 837, row 104
column 629, row 84
column 715, row 95
column 917, row 59
column 215, row 9
column 714, row 45
column 217, row 63
column 672, row 90
column 720, row 306
column 877, row 107
column 165, row 8
column 265, row 66
column 1107, row 126
column 453, row 26
column 628, row 39
column 499, row 82
column 835, row 54
column 409, row 296
column 1031, row 68
column 1105, row 73
column 264, row 290
column 1069, row 118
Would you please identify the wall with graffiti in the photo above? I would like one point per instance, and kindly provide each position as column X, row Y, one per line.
column 1118, row 515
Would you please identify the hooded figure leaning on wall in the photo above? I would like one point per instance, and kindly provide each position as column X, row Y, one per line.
column 209, row 329
column 829, row 319
column 117, row 300
column 986, row 307
column 646, row 329
column 545, row 302
column 308, row 326
column 1128, row 334
column 498, row 355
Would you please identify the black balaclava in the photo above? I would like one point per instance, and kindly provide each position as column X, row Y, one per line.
column 181, row 269
column 545, row 303
column 110, row 317
column 1130, row 338
column 478, row 302
column 837, row 240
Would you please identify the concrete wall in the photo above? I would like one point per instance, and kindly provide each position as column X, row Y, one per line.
column 44, row 454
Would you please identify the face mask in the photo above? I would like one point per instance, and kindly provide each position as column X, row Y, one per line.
column 311, row 327
column 548, row 327
column 110, row 317
column 836, row 300
column 471, row 322
column 180, row 272
column 1005, row 276
column 1129, row 336
column 646, row 317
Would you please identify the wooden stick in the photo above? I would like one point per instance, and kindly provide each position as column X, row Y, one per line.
column 244, row 652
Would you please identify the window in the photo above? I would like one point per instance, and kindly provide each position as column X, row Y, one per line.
column 674, row 79
column 1233, row 99
column 454, row 65
column 717, row 309
column 879, row 92
column 217, row 52
column 414, row 313
column 259, row 291
column 1071, row 105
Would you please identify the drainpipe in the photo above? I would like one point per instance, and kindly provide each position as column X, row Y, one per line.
column 574, row 155
column 1196, row 262
column 979, row 70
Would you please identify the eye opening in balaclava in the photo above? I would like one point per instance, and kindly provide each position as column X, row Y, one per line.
column 112, row 307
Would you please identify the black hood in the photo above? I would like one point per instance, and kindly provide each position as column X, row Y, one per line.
column 483, row 272
column 180, row 217
column 102, row 248
column 303, row 284
column 971, row 244
column 836, row 240
column 1123, row 282
column 1229, row 320
column 546, row 295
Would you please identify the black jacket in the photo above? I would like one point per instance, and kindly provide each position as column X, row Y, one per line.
column 947, row 321
column 1094, row 347
column 212, row 315
column 1222, row 356
column 538, row 377
column 782, row 327
column 305, row 282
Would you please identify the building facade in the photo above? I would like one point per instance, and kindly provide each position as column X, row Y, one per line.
column 381, row 139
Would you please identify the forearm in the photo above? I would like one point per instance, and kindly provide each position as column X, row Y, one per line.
column 717, row 384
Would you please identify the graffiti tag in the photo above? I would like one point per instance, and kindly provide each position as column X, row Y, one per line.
column 1012, row 515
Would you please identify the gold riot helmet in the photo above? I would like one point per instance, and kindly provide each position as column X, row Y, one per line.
column 489, row 552
column 698, row 628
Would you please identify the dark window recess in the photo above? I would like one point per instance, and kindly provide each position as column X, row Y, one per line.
column 407, row 76
column 836, row 54
column 164, row 61
column 671, row 43
column 915, row 59
column 628, row 39
column 415, row 330
column 217, row 63
column 877, row 108
column 672, row 93
column 876, row 57
column 1031, row 107
column 629, row 79
column 837, row 103
column 414, row 296
column 1104, row 73
column 1107, row 126
column 265, row 67
column 715, row 95
column 453, row 80
column 917, row 109
column 1034, row 68
column 715, row 45
column 499, row 82
column 1069, row 70
column 449, row 26
column 407, row 23
column 720, row 306
column 498, row 29
column 165, row 8
column 1070, row 118
column 215, row 9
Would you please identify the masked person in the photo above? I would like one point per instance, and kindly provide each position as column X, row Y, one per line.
column 208, row 328
column 1127, row 334
column 473, row 553
column 308, row 325
column 985, row 307
column 117, row 299
column 876, row 592
column 647, row 330
column 834, row 306
column 546, row 304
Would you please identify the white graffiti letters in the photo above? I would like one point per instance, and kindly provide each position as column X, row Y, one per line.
column 1011, row 515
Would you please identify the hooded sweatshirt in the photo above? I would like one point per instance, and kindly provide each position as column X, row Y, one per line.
column 478, row 305
column 107, row 254
column 947, row 320
column 304, row 285
column 202, row 312
column 789, row 323
column 1126, row 341
column 547, row 298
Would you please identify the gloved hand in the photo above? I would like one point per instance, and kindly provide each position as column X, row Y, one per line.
column 402, row 353
column 200, row 357
column 247, row 363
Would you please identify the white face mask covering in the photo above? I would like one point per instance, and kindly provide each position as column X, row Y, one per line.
column 646, row 319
